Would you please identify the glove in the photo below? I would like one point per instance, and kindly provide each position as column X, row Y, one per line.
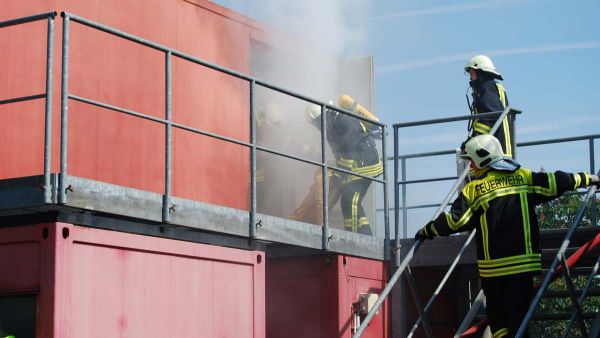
column 426, row 232
column 595, row 180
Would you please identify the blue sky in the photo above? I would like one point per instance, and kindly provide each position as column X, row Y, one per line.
column 547, row 50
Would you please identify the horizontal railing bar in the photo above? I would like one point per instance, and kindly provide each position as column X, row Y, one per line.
column 190, row 58
column 559, row 140
column 452, row 119
column 210, row 134
column 213, row 135
column 23, row 98
column 115, row 108
column 520, row 144
column 27, row 19
column 311, row 100
column 427, row 180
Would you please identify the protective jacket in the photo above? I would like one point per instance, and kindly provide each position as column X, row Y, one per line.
column 353, row 144
column 500, row 205
column 490, row 96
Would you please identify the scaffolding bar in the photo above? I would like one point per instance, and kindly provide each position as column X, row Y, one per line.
column 48, row 109
column 563, row 248
column 27, row 19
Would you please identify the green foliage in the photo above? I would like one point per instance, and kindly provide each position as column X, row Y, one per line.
column 559, row 213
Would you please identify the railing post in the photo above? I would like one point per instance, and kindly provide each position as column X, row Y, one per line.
column 48, row 111
column 404, row 211
column 386, row 207
column 64, row 109
column 252, row 232
column 396, row 202
column 592, row 170
column 166, row 207
column 325, row 178
column 513, row 134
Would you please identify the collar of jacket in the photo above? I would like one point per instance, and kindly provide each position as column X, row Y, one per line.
column 482, row 78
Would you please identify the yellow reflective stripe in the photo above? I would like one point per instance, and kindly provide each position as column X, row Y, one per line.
column 551, row 190
column 577, row 181
column 363, row 126
column 500, row 333
column 588, row 179
column 371, row 170
column 434, row 230
column 485, row 232
column 502, row 94
column 526, row 223
column 507, row 137
column 481, row 127
column 462, row 221
column 511, row 260
column 345, row 162
column 497, row 193
column 510, row 270
column 363, row 221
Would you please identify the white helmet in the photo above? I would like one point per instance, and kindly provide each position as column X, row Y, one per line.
column 484, row 63
column 483, row 150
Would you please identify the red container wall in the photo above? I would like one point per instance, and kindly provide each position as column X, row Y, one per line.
column 313, row 296
column 98, row 283
column 114, row 147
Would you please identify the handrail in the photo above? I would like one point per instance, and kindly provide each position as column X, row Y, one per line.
column 169, row 125
column 418, row 243
column 559, row 255
column 590, row 138
column 47, row 95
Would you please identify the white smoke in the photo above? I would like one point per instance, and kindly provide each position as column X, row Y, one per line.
column 314, row 36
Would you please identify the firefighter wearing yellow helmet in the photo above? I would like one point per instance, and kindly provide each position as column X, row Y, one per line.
column 488, row 96
column 500, row 203
column 352, row 141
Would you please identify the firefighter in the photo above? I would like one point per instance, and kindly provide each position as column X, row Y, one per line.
column 353, row 145
column 500, row 204
column 488, row 96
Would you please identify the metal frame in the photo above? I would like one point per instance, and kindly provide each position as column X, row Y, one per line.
column 404, row 207
column 47, row 95
column 560, row 258
column 66, row 183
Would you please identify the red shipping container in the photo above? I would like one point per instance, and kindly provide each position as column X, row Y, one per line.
column 99, row 283
column 313, row 296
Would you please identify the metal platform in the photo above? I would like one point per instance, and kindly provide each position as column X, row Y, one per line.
column 93, row 203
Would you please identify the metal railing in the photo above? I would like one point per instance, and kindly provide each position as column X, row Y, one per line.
column 169, row 124
column 402, row 266
column 47, row 95
column 560, row 259
column 404, row 207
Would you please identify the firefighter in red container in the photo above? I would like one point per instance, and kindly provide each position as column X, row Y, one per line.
column 500, row 204
column 353, row 144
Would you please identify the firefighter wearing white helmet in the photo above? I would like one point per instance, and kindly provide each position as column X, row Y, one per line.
column 500, row 203
column 488, row 96
column 353, row 145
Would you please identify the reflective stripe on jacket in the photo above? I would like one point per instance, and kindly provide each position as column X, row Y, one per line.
column 501, row 205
